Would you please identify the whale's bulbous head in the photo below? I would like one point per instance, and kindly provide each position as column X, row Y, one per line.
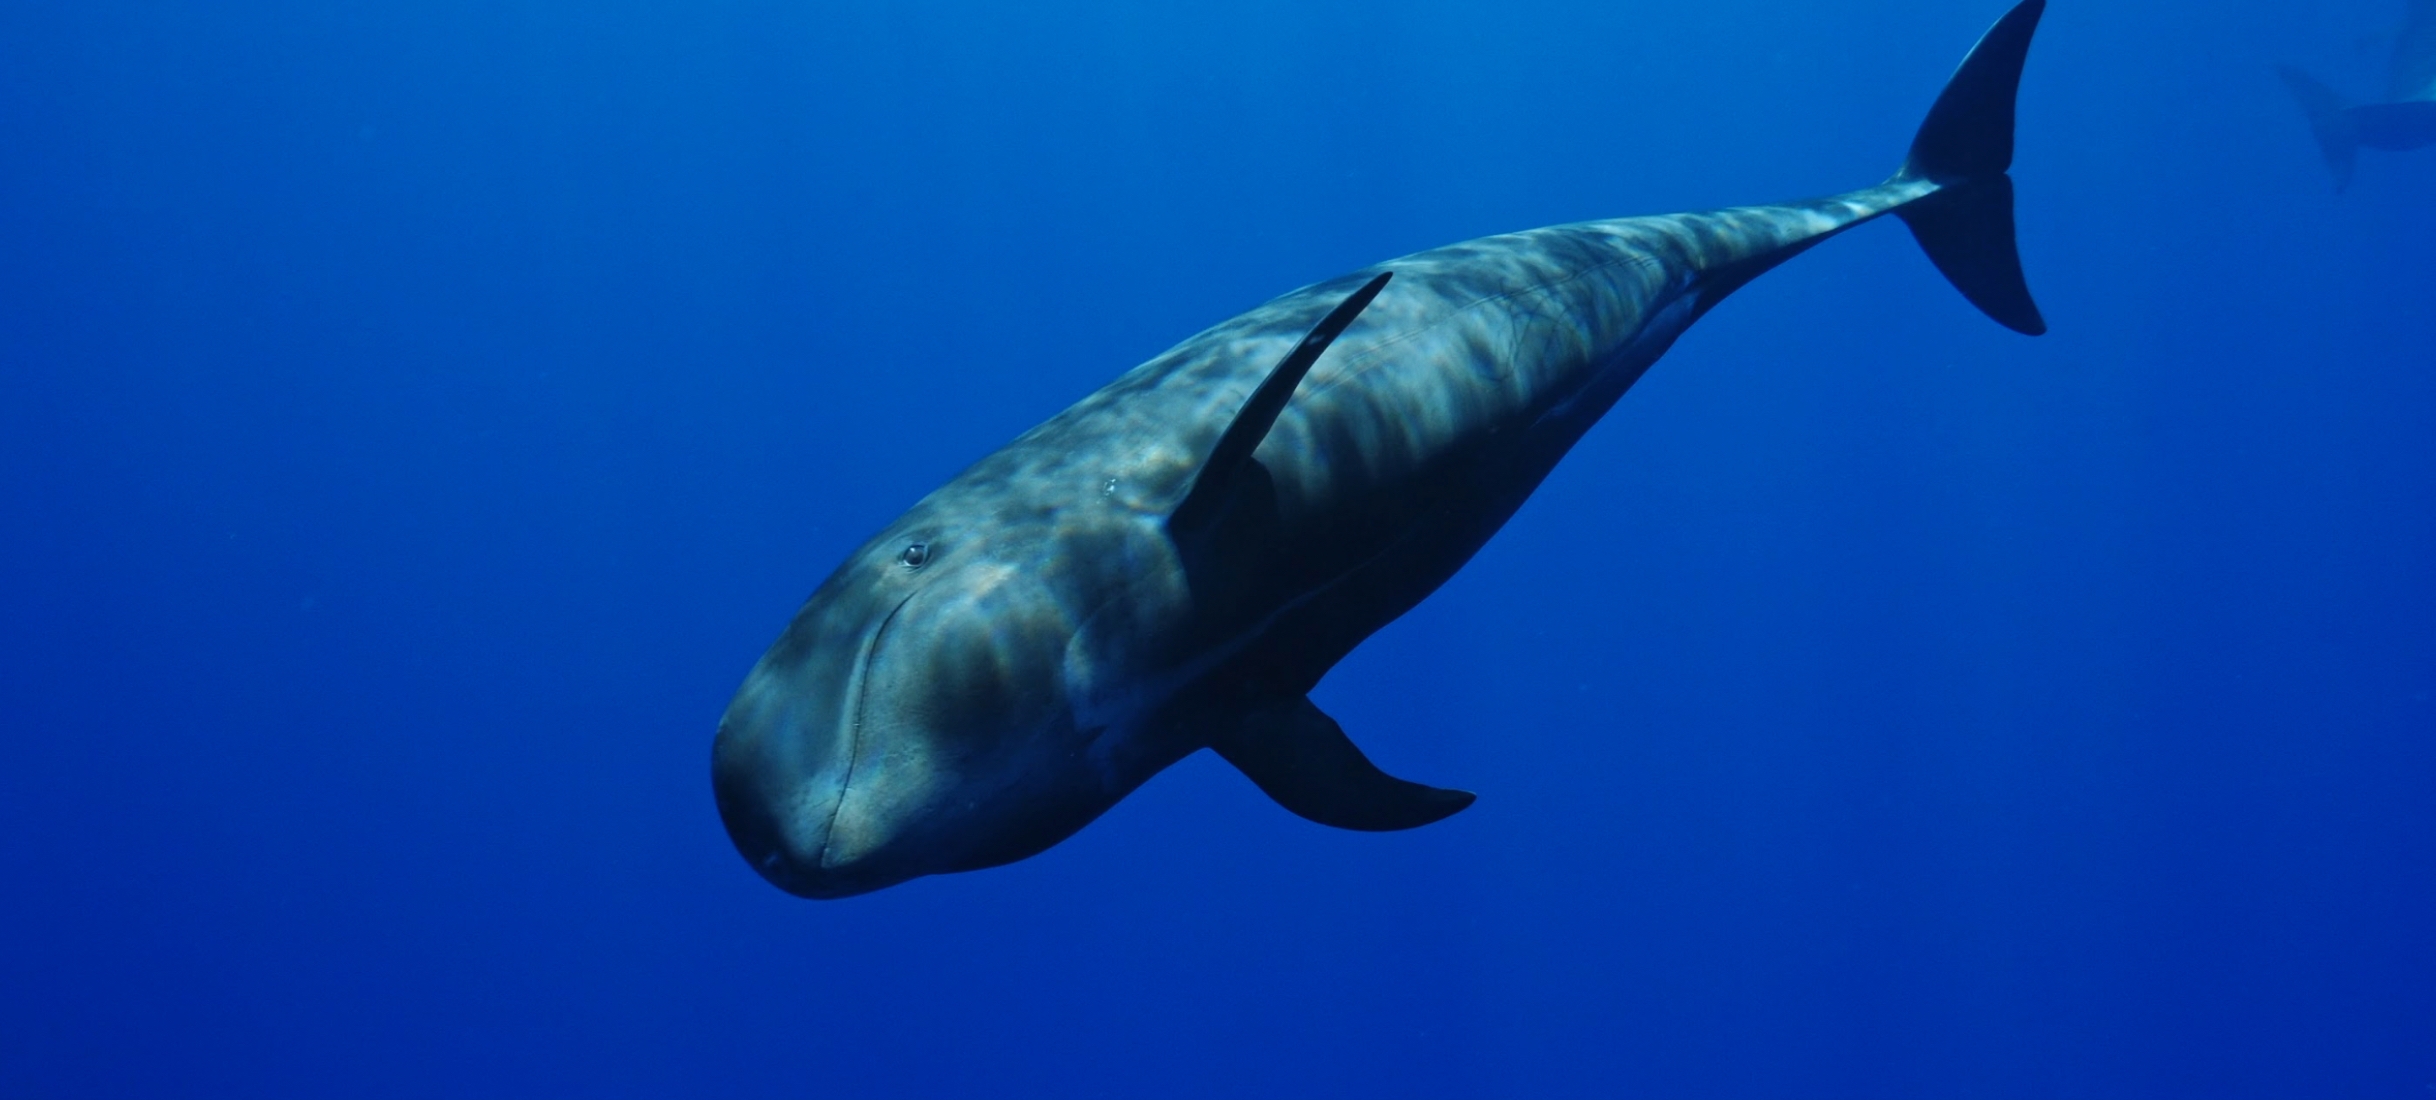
column 912, row 721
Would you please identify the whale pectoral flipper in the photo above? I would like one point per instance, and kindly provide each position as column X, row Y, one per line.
column 1302, row 758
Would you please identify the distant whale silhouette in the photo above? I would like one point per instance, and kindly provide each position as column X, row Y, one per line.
column 1174, row 562
column 2407, row 118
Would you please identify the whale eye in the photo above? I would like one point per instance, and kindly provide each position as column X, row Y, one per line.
column 915, row 555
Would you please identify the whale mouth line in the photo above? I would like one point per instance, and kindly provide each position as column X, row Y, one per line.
column 861, row 690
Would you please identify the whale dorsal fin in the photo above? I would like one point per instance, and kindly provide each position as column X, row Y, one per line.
column 1302, row 758
column 1202, row 506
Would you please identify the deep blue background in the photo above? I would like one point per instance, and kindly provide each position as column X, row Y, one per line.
column 415, row 418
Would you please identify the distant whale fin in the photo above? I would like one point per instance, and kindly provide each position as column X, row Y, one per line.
column 1207, row 501
column 2329, row 121
column 1302, row 758
column 1966, row 147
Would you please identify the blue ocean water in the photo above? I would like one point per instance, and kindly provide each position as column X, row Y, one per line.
column 418, row 417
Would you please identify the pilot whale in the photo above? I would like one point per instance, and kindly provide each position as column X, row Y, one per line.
column 2405, row 120
column 1174, row 562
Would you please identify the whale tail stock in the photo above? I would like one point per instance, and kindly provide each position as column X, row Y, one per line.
column 1966, row 148
column 2330, row 121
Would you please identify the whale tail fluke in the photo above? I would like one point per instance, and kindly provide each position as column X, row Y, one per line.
column 1966, row 148
column 2330, row 121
